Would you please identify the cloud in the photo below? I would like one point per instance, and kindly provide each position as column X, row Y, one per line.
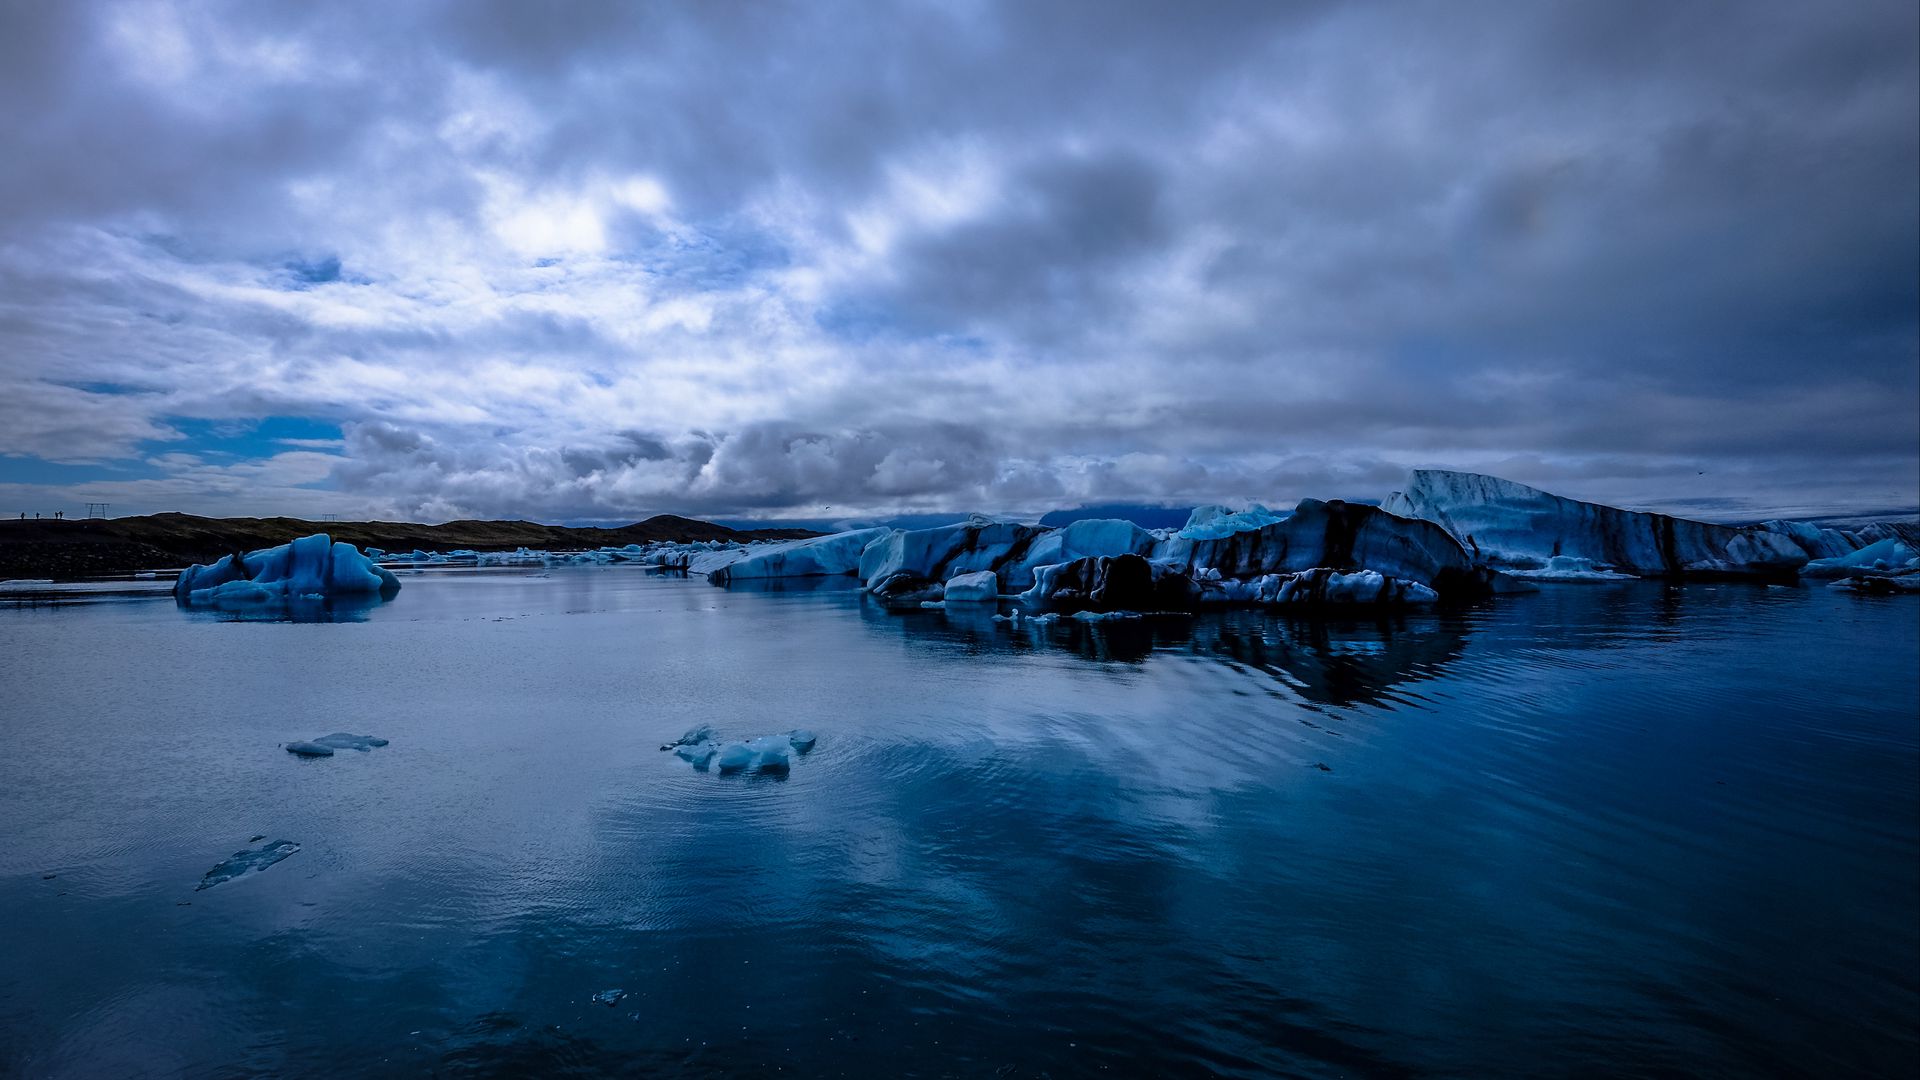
column 599, row 261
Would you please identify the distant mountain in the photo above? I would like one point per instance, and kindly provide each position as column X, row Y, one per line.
column 78, row 548
column 1147, row 517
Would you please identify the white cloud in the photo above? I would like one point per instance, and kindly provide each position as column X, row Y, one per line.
column 970, row 258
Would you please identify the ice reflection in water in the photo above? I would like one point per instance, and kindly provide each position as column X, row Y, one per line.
column 1612, row 828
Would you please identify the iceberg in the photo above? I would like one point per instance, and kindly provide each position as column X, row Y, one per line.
column 1103, row 583
column 1513, row 526
column 939, row 554
column 310, row 567
column 1337, row 536
column 1217, row 522
column 1882, row 557
column 1079, row 540
column 819, row 556
column 1817, row 542
column 981, row 586
column 765, row 754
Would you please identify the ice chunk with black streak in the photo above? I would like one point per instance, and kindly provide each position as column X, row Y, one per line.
column 249, row 861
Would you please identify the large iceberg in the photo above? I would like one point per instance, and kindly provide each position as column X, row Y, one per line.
column 819, row 556
column 1083, row 539
column 1101, row 583
column 1338, row 536
column 1886, row 557
column 312, row 567
column 1513, row 526
column 936, row 555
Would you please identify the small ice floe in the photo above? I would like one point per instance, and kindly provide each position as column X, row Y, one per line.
column 767, row 754
column 979, row 587
column 325, row 745
column 609, row 998
column 341, row 740
column 1104, row 616
column 1879, row 586
column 247, row 861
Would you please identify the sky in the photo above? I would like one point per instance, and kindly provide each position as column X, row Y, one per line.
column 831, row 261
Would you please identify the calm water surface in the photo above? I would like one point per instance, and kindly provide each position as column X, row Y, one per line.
column 1621, row 830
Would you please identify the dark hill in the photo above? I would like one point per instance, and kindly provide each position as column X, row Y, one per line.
column 81, row 548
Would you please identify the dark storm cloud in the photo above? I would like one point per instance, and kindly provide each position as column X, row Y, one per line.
column 604, row 259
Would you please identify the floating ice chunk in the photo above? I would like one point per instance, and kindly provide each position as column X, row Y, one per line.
column 801, row 738
column 248, row 861
column 312, row 566
column 699, row 755
column 1877, row 585
column 609, row 997
column 768, row 753
column 1103, row 616
column 341, row 740
column 309, row 749
column 981, row 586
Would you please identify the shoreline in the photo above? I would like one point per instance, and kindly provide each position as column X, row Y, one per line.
column 72, row 549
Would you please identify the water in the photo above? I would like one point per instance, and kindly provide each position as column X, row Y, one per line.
column 1622, row 830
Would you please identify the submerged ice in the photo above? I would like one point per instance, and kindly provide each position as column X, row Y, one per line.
column 248, row 861
column 325, row 745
